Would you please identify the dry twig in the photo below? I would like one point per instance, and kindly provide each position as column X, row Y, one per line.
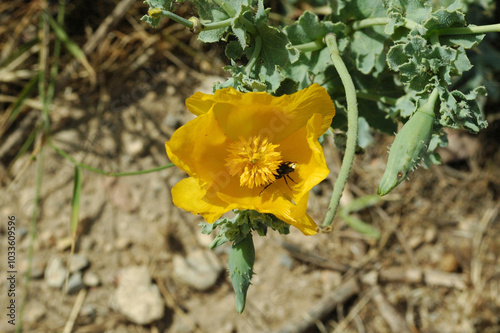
column 326, row 305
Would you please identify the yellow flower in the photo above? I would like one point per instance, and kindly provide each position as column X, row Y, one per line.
column 252, row 151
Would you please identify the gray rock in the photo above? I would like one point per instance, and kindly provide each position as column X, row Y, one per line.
column 78, row 262
column 136, row 297
column 91, row 279
column 199, row 269
column 75, row 283
column 55, row 273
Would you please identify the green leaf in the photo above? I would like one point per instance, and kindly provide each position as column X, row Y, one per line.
column 466, row 41
column 75, row 201
column 459, row 110
column 446, row 18
column 275, row 53
column 234, row 50
column 163, row 4
column 308, row 28
column 377, row 118
column 367, row 46
column 361, row 226
column 415, row 10
column 351, row 10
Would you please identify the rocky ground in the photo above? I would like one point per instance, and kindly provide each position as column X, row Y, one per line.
column 141, row 264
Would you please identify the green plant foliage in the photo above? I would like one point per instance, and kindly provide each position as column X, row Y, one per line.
column 397, row 52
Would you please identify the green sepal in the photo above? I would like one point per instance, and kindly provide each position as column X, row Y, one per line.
column 241, row 261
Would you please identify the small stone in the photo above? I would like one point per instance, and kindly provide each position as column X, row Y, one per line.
column 88, row 310
column 449, row 263
column 64, row 243
column 34, row 311
column 91, row 279
column 78, row 262
column 135, row 284
column 134, row 147
column 75, row 283
column 122, row 243
column 22, row 232
column 37, row 267
column 430, row 235
column 200, row 269
column 172, row 120
column 287, row 261
column 55, row 273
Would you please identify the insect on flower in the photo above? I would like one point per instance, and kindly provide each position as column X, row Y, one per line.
column 284, row 170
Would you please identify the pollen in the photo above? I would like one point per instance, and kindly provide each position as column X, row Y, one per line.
column 254, row 160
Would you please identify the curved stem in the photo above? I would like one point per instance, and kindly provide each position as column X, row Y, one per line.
column 176, row 18
column 216, row 25
column 352, row 131
column 105, row 173
column 255, row 54
column 310, row 47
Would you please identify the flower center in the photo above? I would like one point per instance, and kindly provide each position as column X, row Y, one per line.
column 254, row 160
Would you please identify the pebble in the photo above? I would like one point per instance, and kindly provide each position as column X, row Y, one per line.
column 91, row 279
column 55, row 273
column 37, row 267
column 75, row 283
column 64, row 243
column 135, row 284
column 34, row 311
column 200, row 269
column 172, row 120
column 449, row 263
column 287, row 261
column 134, row 146
column 78, row 263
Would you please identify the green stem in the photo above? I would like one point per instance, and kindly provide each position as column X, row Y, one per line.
column 175, row 17
column 248, row 25
column 106, row 173
column 352, row 131
column 370, row 22
column 216, row 25
column 42, row 82
column 255, row 54
column 470, row 30
column 32, row 236
column 57, row 51
column 310, row 47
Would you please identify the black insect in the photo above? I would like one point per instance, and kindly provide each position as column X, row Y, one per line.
column 284, row 170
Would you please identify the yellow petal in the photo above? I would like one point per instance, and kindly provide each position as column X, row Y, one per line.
column 189, row 195
column 303, row 148
column 199, row 103
column 199, row 149
column 260, row 114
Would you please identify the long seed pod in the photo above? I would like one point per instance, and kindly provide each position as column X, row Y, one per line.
column 409, row 146
column 241, row 260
